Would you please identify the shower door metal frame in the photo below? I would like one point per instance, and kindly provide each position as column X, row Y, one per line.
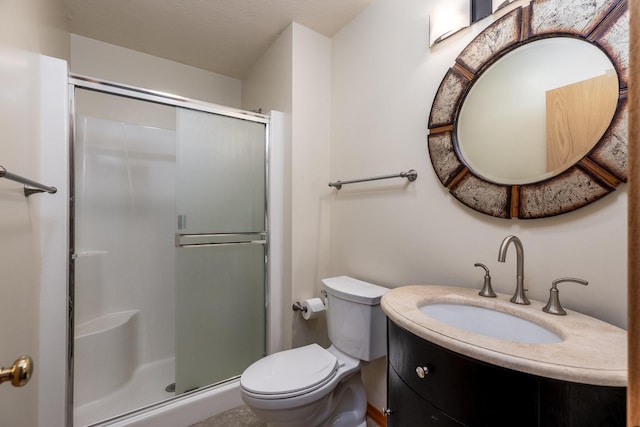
column 77, row 81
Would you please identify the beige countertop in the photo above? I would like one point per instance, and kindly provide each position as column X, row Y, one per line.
column 591, row 351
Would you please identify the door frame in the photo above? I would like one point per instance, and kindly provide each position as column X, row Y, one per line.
column 633, row 285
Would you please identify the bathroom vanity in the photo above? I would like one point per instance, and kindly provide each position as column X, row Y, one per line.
column 460, row 391
column 440, row 375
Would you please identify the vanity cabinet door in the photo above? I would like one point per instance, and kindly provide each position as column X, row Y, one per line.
column 409, row 410
column 472, row 392
column 564, row 404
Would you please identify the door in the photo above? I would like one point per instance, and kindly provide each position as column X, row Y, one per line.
column 220, row 247
column 19, row 251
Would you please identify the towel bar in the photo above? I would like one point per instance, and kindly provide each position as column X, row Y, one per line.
column 411, row 175
column 30, row 186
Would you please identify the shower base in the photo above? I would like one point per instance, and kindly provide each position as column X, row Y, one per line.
column 147, row 386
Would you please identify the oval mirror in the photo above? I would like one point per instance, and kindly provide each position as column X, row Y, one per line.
column 537, row 110
column 531, row 120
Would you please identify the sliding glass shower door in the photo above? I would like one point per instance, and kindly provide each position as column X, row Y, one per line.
column 221, row 247
column 168, row 271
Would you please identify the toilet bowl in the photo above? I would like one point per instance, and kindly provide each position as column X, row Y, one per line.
column 315, row 387
column 298, row 387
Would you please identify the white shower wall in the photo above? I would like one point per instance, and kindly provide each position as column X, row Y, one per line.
column 125, row 223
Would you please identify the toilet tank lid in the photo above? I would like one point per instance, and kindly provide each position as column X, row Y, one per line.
column 355, row 290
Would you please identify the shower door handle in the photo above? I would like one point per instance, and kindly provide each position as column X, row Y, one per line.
column 220, row 239
column 19, row 373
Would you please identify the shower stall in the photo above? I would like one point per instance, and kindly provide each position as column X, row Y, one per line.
column 169, row 248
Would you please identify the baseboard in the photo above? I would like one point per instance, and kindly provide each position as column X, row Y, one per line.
column 376, row 415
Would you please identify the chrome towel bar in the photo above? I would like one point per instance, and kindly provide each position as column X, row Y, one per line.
column 30, row 186
column 411, row 175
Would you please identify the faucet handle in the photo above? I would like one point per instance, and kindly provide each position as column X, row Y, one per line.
column 553, row 305
column 487, row 290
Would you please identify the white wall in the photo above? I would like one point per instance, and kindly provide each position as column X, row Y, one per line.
column 384, row 79
column 35, row 26
column 293, row 76
column 310, row 193
column 106, row 61
column 54, row 236
column 268, row 85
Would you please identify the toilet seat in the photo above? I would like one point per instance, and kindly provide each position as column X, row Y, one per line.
column 290, row 373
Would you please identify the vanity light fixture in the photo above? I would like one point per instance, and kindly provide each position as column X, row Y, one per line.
column 480, row 9
column 447, row 18
column 450, row 16
column 499, row 4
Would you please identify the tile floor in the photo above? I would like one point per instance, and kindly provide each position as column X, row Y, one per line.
column 241, row 417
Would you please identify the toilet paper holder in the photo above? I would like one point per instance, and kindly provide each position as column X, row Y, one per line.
column 299, row 307
column 309, row 308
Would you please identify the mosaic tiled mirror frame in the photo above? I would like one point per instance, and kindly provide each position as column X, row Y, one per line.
column 604, row 23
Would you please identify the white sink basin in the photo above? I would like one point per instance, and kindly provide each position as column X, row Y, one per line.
column 490, row 323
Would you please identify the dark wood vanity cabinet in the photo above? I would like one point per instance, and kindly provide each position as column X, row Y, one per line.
column 409, row 409
column 456, row 390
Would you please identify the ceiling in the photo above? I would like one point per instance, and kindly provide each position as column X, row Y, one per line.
column 223, row 36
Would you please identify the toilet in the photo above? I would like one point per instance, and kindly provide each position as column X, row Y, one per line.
column 315, row 387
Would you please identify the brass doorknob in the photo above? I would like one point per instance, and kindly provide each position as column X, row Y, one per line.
column 20, row 373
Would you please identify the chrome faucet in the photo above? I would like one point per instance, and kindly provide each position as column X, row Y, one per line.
column 519, row 297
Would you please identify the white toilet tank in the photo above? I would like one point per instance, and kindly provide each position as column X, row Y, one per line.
column 356, row 323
